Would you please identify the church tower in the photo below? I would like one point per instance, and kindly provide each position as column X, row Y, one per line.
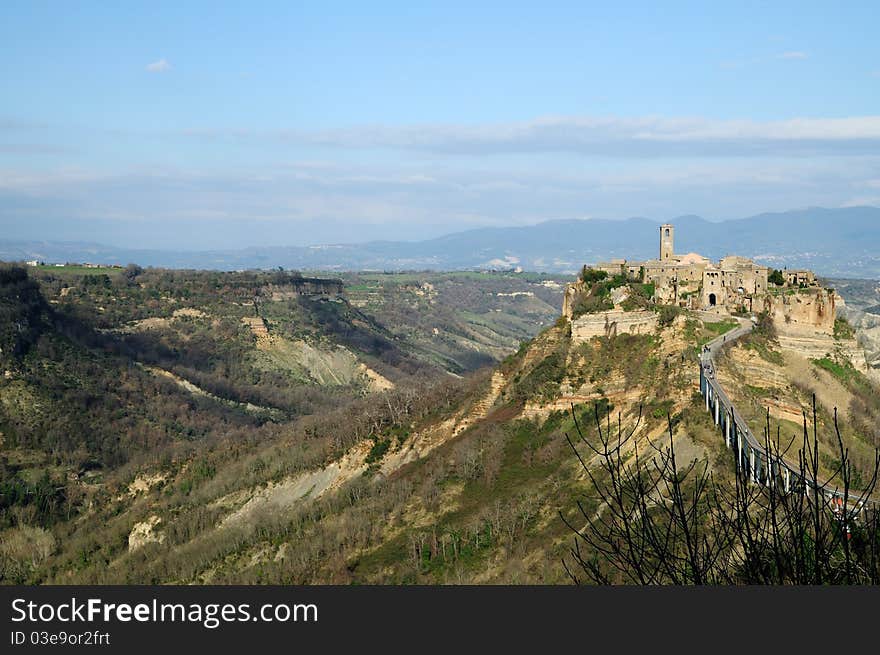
column 667, row 243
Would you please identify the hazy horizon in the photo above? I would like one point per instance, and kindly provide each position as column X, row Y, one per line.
column 129, row 244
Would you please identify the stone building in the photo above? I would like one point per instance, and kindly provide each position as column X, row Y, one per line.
column 693, row 281
column 799, row 278
column 800, row 308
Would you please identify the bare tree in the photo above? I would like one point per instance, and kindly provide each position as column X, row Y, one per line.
column 655, row 520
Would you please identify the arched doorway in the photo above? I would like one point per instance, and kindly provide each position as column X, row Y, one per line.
column 712, row 300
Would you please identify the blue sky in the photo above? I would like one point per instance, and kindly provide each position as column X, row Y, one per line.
column 202, row 125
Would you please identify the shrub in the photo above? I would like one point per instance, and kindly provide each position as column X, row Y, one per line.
column 843, row 329
column 377, row 452
column 592, row 275
column 596, row 300
column 776, row 278
column 667, row 313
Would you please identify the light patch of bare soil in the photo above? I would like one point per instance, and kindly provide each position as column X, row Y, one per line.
column 278, row 497
column 159, row 322
column 145, row 324
column 198, row 391
column 189, row 312
column 144, row 533
column 142, row 484
column 376, row 381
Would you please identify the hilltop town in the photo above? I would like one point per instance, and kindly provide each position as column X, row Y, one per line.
column 734, row 286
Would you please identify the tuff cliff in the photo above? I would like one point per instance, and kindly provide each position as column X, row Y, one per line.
column 803, row 311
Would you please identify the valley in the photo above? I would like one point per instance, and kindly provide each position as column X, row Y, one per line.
column 200, row 427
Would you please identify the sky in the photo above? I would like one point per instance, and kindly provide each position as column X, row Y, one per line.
column 225, row 125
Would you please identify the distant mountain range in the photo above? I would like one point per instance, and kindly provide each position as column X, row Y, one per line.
column 834, row 242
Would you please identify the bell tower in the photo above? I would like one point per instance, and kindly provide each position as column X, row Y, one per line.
column 667, row 242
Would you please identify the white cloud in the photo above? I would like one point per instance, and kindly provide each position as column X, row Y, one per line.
column 423, row 195
column 795, row 54
column 594, row 136
column 862, row 201
column 160, row 66
column 429, row 179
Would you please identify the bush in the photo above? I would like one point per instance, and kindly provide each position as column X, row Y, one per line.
column 639, row 298
column 592, row 275
column 843, row 329
column 776, row 278
column 597, row 299
column 132, row 271
column 765, row 327
column 667, row 314
column 377, row 452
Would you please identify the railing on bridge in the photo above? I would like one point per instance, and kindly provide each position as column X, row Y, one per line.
column 750, row 455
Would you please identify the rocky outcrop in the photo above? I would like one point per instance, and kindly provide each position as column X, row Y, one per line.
column 817, row 346
column 258, row 328
column 302, row 286
column 569, row 297
column 867, row 327
column 807, row 311
column 144, row 533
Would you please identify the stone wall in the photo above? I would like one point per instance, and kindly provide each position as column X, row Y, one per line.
column 612, row 323
column 304, row 286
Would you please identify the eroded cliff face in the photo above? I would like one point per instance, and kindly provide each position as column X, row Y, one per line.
column 805, row 325
column 805, row 312
column 820, row 345
column 294, row 287
column 773, row 384
column 867, row 329
column 569, row 297
column 611, row 323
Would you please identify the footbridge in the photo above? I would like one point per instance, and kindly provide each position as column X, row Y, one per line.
column 750, row 454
